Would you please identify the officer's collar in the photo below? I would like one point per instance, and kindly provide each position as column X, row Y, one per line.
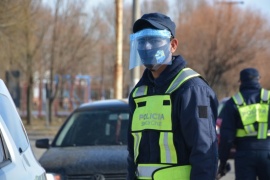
column 250, row 85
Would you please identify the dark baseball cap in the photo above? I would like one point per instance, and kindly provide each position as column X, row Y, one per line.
column 156, row 21
column 249, row 74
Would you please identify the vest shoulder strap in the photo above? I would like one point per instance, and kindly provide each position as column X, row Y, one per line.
column 265, row 96
column 184, row 75
column 140, row 91
column 239, row 100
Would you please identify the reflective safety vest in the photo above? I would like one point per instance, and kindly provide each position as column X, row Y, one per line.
column 253, row 113
column 155, row 113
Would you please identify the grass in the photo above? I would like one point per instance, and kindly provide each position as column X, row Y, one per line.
column 39, row 127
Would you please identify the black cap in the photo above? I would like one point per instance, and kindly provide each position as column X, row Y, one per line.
column 156, row 21
column 249, row 74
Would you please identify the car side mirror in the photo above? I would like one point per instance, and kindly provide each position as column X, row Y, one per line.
column 42, row 143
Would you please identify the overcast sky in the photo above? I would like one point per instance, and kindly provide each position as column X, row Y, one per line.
column 261, row 5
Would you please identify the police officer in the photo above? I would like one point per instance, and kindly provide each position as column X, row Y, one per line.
column 245, row 123
column 172, row 109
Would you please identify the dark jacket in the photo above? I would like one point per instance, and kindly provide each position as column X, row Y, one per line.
column 194, row 115
column 231, row 121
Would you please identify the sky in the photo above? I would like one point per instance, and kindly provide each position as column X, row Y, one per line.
column 259, row 5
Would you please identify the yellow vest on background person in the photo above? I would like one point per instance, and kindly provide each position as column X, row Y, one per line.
column 253, row 113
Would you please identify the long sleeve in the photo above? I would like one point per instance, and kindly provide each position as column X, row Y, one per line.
column 198, row 115
column 227, row 130
column 130, row 159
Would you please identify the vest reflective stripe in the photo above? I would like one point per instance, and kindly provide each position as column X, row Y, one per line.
column 181, row 77
column 163, row 172
column 238, row 99
column 137, row 139
column 263, row 126
column 242, row 133
column 140, row 91
column 249, row 128
column 167, row 149
column 144, row 171
column 262, row 130
column 264, row 96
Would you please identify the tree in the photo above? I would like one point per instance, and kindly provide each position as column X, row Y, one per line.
column 23, row 39
column 161, row 6
column 71, row 42
column 216, row 40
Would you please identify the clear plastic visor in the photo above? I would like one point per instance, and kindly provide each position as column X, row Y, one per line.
column 149, row 46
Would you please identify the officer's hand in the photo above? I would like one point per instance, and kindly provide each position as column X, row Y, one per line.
column 223, row 169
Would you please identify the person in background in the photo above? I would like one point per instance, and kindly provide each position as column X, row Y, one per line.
column 173, row 110
column 245, row 123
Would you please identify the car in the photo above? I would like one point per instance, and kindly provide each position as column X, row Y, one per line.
column 17, row 160
column 91, row 143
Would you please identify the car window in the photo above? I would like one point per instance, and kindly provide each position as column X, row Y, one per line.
column 4, row 154
column 13, row 122
column 99, row 127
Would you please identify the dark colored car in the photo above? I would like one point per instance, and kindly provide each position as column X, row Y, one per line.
column 91, row 144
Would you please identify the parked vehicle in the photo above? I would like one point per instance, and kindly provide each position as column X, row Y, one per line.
column 17, row 160
column 91, row 144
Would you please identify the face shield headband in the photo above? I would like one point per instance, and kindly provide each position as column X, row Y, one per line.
column 151, row 48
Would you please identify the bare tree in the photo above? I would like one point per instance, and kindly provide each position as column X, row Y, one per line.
column 23, row 39
column 8, row 29
column 161, row 6
column 72, row 42
column 216, row 40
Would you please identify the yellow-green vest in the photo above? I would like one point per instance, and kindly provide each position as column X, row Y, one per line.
column 253, row 113
column 155, row 113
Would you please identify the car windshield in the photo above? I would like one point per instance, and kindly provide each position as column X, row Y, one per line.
column 90, row 128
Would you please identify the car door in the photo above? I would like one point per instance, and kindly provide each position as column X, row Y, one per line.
column 10, row 165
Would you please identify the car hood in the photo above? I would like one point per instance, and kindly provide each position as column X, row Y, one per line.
column 85, row 160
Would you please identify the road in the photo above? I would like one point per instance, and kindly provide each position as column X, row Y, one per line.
column 230, row 175
column 38, row 152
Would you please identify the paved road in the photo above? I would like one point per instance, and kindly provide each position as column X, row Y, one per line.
column 230, row 175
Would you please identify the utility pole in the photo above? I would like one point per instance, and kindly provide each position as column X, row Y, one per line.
column 135, row 72
column 230, row 4
column 118, row 73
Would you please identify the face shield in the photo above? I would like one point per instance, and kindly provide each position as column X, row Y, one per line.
column 151, row 48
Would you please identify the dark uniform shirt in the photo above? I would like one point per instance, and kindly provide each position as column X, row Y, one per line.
column 231, row 121
column 194, row 115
